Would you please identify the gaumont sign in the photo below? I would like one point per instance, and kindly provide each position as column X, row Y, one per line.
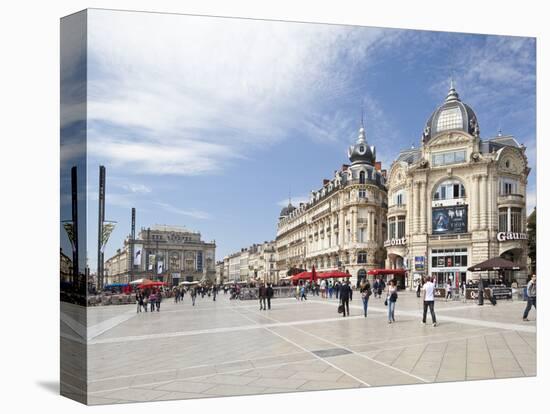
column 504, row 236
column 396, row 242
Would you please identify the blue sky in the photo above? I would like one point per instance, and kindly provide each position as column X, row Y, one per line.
column 210, row 122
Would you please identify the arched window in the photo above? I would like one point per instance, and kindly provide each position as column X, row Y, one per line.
column 449, row 189
column 362, row 257
column 362, row 177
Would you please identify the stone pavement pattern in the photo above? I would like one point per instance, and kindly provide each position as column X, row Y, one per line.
column 226, row 348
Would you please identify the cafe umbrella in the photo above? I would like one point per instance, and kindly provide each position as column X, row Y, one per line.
column 496, row 264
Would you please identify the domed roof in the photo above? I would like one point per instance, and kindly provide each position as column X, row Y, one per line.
column 453, row 115
column 285, row 212
column 361, row 153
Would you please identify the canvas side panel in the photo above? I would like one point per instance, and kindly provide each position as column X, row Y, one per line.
column 73, row 195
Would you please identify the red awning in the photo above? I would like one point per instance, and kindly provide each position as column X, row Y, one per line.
column 151, row 285
column 301, row 276
column 332, row 273
column 376, row 272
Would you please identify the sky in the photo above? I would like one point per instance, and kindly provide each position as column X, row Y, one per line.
column 210, row 123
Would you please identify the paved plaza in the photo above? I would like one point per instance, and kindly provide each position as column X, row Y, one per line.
column 228, row 347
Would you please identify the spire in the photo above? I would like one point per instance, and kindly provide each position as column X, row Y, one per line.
column 361, row 139
column 453, row 94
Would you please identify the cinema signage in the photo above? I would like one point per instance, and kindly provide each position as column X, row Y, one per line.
column 396, row 242
column 505, row 236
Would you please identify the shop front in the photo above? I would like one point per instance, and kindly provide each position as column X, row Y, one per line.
column 449, row 265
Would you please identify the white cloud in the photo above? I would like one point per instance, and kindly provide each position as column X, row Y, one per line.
column 173, row 94
column 197, row 214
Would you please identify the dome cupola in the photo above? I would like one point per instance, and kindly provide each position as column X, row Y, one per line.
column 453, row 115
column 361, row 153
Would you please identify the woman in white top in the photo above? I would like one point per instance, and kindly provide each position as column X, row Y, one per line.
column 448, row 291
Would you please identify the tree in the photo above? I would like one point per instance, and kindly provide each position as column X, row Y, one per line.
column 532, row 239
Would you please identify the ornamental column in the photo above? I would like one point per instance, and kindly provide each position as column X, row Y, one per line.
column 483, row 194
column 509, row 220
column 474, row 203
column 422, row 189
column 418, row 198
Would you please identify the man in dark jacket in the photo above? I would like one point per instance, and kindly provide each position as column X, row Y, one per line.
column 263, row 294
column 345, row 293
column 269, row 294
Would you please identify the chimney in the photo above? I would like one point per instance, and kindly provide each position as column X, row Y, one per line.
column 325, row 181
column 378, row 165
column 345, row 167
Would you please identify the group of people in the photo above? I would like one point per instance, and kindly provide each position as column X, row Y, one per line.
column 265, row 293
column 152, row 298
column 427, row 288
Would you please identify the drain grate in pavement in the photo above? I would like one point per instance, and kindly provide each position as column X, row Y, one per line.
column 331, row 352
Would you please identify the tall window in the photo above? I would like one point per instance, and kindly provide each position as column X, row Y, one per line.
column 391, row 233
column 362, row 177
column 503, row 219
column 361, row 235
column 448, row 190
column 400, row 227
column 362, row 193
column 515, row 220
column 400, row 198
column 362, row 257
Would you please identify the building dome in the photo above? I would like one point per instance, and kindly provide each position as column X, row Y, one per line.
column 361, row 153
column 453, row 115
column 285, row 212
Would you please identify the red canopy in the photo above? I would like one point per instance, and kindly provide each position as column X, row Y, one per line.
column 152, row 284
column 332, row 273
column 377, row 272
column 302, row 275
column 313, row 274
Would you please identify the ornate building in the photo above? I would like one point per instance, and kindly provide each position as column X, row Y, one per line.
column 457, row 200
column 343, row 226
column 168, row 253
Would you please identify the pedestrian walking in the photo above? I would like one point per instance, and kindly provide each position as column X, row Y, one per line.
column 158, row 299
column 365, row 295
column 375, row 287
column 145, row 301
column 419, row 287
column 193, row 295
column 344, row 297
column 139, row 301
column 429, row 301
column 480, row 292
column 152, row 301
column 531, row 297
column 330, row 289
column 262, row 292
column 337, row 289
column 303, row 295
column 448, row 291
column 391, row 299
column 269, row 295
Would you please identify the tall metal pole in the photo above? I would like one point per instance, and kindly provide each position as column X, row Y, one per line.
column 101, row 219
column 132, row 241
column 74, row 207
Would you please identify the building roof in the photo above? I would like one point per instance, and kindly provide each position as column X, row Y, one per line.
column 452, row 115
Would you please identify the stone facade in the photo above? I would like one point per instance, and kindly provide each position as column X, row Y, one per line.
column 168, row 253
column 343, row 226
column 455, row 199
